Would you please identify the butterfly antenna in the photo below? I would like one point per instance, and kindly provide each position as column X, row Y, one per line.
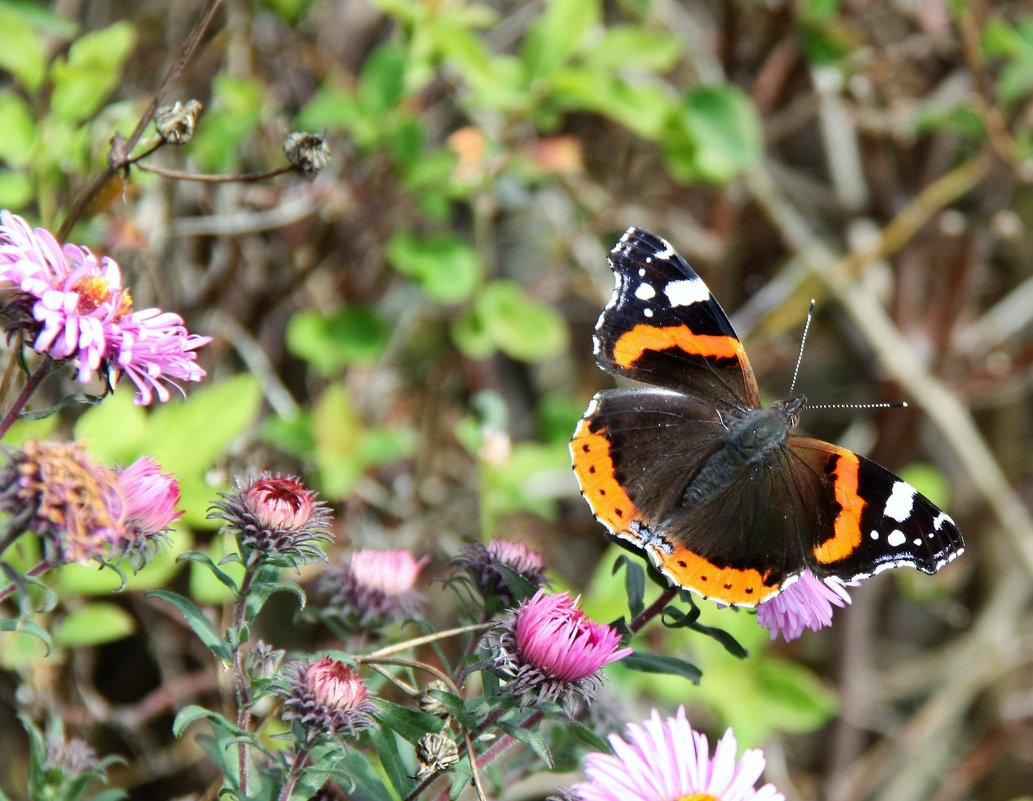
column 803, row 341
column 892, row 405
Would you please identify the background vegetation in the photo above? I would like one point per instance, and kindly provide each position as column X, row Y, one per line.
column 412, row 329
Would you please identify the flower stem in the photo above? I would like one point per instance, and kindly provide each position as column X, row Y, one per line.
column 41, row 372
column 654, row 609
column 293, row 775
column 243, row 691
column 38, row 570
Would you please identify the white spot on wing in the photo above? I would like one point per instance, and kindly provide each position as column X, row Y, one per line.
column 667, row 252
column 647, row 312
column 896, row 538
column 901, row 502
column 941, row 518
column 645, row 292
column 686, row 292
column 874, row 535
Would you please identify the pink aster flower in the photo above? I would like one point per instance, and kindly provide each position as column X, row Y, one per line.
column 84, row 510
column 806, row 603
column 665, row 760
column 326, row 697
column 74, row 306
column 151, row 495
column 372, row 588
column 275, row 519
column 484, row 563
column 549, row 650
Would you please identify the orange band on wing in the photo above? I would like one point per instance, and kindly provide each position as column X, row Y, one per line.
column 847, row 535
column 728, row 585
column 629, row 348
column 594, row 468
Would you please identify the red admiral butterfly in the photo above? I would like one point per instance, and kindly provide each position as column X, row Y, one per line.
column 712, row 486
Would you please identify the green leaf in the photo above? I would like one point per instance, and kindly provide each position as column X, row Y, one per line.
column 91, row 70
column 94, row 624
column 232, row 116
column 114, row 431
column 625, row 46
column 344, row 449
column 18, row 125
column 716, row 136
column 193, row 712
column 205, row 560
column 16, row 191
column 354, row 770
column 261, row 592
column 23, row 54
column 557, row 35
column 196, row 620
column 520, row 327
column 382, row 82
column 354, row 335
column 410, row 724
column 660, row 663
column 445, row 267
column 26, row 627
column 634, row 583
column 386, row 745
column 643, row 107
column 530, row 738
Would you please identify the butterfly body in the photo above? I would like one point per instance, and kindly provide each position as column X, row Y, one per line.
column 716, row 490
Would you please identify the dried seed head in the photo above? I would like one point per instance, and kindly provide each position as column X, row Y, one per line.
column 436, row 752
column 175, row 124
column 306, row 152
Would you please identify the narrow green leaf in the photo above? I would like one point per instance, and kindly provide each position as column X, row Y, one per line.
column 196, row 620
column 354, row 770
column 634, row 583
column 260, row 593
column 193, row 712
column 27, row 627
column 206, row 561
column 410, row 724
column 386, row 744
column 530, row 738
column 659, row 663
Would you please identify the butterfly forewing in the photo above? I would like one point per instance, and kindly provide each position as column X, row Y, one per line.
column 663, row 327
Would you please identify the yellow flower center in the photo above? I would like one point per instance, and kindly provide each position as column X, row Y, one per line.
column 698, row 797
column 94, row 291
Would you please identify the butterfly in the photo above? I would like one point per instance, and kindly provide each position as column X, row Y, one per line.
column 712, row 486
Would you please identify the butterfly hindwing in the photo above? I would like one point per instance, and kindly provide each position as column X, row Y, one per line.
column 878, row 520
column 614, row 455
column 663, row 327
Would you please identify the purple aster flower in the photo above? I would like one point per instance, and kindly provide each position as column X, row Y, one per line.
column 326, row 697
column 806, row 603
column 276, row 520
column 372, row 588
column 74, row 306
column 665, row 760
column 84, row 510
column 549, row 650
